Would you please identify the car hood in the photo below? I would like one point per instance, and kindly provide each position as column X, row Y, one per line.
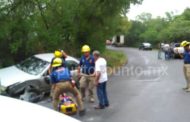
column 12, row 74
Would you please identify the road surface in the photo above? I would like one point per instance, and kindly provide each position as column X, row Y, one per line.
column 145, row 90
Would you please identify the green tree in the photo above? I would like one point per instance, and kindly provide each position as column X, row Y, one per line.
column 30, row 27
column 133, row 34
column 179, row 27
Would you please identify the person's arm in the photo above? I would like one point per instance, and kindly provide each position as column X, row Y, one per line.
column 93, row 61
column 97, row 73
column 73, row 82
column 97, row 78
column 52, row 77
column 49, row 70
column 50, row 67
column 79, row 68
column 64, row 54
column 181, row 55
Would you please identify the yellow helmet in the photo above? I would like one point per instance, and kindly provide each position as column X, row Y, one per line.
column 184, row 43
column 57, row 62
column 85, row 48
column 58, row 54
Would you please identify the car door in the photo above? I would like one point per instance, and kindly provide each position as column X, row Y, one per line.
column 73, row 67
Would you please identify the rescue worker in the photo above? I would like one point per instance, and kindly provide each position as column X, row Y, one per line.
column 62, row 83
column 186, row 67
column 87, row 77
column 58, row 54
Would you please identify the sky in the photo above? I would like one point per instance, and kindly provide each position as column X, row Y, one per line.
column 158, row 7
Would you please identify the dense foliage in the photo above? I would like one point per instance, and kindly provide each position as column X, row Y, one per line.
column 35, row 26
column 155, row 30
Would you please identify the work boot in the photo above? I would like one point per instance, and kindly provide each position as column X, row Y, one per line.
column 107, row 105
column 82, row 112
column 99, row 107
column 91, row 100
column 83, row 99
column 187, row 90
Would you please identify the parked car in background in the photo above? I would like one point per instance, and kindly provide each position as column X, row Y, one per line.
column 176, row 50
column 145, row 46
column 13, row 110
column 31, row 76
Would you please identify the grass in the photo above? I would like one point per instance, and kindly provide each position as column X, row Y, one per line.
column 115, row 59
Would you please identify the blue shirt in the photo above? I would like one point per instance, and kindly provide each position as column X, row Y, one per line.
column 60, row 74
column 87, row 65
column 187, row 57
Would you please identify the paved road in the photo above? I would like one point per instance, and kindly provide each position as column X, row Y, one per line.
column 145, row 90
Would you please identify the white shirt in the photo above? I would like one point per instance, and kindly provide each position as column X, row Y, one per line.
column 101, row 66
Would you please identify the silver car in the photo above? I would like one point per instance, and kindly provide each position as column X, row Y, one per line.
column 31, row 75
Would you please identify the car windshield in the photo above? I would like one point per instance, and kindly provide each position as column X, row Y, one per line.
column 33, row 65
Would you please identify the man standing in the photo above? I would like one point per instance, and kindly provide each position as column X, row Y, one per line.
column 62, row 83
column 87, row 64
column 160, row 50
column 101, row 79
column 167, row 51
column 186, row 67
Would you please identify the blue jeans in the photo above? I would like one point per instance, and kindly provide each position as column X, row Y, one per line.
column 102, row 95
column 167, row 55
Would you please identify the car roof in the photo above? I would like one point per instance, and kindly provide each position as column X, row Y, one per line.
column 21, row 111
column 146, row 43
column 48, row 57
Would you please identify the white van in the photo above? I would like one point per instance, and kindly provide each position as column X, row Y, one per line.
column 13, row 110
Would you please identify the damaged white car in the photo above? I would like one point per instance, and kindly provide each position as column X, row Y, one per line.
column 31, row 77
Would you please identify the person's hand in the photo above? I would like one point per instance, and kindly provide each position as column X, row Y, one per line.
column 96, row 83
column 79, row 75
column 73, row 82
column 93, row 75
column 177, row 51
column 63, row 53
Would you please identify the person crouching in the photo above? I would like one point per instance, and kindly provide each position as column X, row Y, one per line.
column 62, row 83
